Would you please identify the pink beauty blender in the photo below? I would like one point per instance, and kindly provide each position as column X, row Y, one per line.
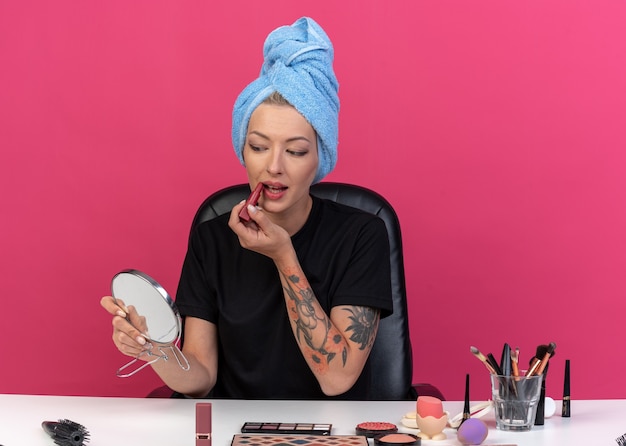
column 429, row 406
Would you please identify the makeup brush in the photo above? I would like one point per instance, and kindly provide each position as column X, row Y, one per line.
column 540, row 360
column 515, row 362
column 546, row 356
column 494, row 363
column 545, row 352
column 66, row 432
column 505, row 360
column 482, row 359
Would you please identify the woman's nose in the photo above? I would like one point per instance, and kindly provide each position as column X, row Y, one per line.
column 275, row 163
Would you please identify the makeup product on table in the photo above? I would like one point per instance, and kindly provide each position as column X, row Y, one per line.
column 298, row 440
column 373, row 428
column 253, row 200
column 203, row 424
column 66, row 432
column 477, row 411
column 466, row 404
column 472, row 431
column 286, row 428
column 549, row 407
column 429, row 406
column 397, row 440
column 565, row 410
column 431, row 418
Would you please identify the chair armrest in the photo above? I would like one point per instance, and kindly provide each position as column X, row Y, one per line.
column 426, row 389
column 161, row 392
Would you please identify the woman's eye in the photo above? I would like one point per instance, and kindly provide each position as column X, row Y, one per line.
column 297, row 152
column 255, row 148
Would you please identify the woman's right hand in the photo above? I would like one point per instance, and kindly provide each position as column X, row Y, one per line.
column 260, row 234
column 128, row 327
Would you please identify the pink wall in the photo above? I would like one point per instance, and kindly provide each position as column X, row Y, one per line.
column 495, row 128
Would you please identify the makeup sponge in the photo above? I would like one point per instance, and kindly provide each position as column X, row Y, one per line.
column 549, row 407
column 429, row 406
column 472, row 431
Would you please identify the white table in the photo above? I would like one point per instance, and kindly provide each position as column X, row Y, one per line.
column 171, row 422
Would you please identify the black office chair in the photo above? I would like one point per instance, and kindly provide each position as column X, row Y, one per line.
column 391, row 356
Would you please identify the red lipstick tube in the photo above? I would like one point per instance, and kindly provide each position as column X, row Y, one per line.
column 203, row 424
column 253, row 199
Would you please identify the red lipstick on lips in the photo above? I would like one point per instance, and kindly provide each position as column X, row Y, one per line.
column 274, row 191
column 253, row 199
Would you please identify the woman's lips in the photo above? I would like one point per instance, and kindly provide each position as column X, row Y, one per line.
column 274, row 191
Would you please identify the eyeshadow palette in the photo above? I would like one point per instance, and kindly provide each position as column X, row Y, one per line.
column 287, row 428
column 298, row 440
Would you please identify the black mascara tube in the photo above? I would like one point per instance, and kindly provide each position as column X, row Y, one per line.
column 565, row 411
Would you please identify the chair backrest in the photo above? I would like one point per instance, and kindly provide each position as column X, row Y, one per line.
column 391, row 356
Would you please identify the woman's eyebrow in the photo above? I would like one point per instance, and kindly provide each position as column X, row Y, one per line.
column 256, row 132
column 293, row 138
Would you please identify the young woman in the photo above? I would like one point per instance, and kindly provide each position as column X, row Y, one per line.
column 288, row 304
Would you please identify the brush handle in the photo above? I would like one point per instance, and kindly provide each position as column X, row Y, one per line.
column 505, row 361
column 494, row 364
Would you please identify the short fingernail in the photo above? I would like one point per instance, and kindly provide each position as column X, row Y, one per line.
column 120, row 313
column 141, row 340
column 252, row 209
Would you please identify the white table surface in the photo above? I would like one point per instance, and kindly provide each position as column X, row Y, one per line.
column 171, row 422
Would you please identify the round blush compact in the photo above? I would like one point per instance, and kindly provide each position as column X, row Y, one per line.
column 397, row 439
column 372, row 428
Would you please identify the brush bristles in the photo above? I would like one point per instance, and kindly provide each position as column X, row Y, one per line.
column 477, row 353
column 621, row 441
column 70, row 433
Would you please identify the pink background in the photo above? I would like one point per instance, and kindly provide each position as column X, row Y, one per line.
column 496, row 129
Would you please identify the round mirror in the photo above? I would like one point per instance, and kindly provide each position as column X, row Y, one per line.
column 161, row 320
column 134, row 288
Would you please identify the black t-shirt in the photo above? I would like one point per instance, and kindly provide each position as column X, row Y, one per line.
column 344, row 254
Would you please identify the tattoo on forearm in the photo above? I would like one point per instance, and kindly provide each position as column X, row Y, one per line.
column 364, row 326
column 307, row 320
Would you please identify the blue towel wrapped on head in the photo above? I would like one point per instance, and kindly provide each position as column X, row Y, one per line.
column 297, row 64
